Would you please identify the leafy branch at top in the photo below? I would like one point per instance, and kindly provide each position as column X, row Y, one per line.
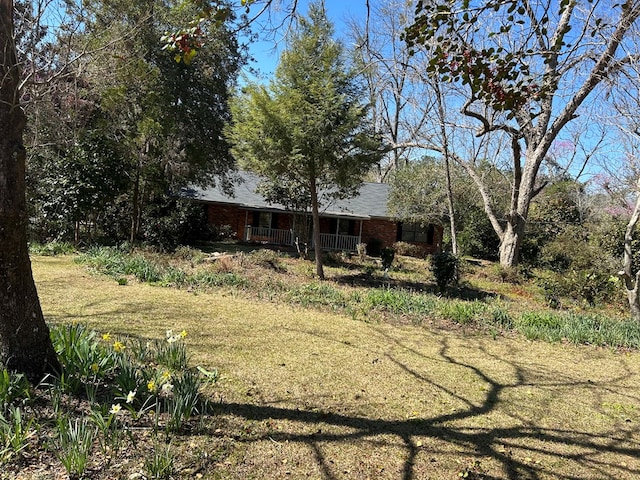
column 501, row 78
column 185, row 42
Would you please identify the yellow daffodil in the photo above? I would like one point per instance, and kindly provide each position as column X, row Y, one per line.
column 183, row 334
column 95, row 367
column 118, row 346
column 106, row 336
column 151, row 386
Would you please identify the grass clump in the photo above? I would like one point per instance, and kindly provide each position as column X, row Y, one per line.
column 318, row 294
column 579, row 329
column 118, row 264
column 399, row 302
column 52, row 249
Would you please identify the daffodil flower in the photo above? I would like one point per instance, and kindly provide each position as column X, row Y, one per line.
column 151, row 386
column 167, row 389
column 115, row 409
column 106, row 336
column 131, row 396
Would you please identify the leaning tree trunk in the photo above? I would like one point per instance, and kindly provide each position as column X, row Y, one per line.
column 25, row 345
column 631, row 280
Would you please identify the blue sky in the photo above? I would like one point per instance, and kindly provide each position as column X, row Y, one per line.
column 338, row 11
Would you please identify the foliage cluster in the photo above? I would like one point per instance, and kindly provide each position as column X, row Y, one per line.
column 127, row 385
column 125, row 127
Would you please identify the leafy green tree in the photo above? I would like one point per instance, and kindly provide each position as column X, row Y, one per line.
column 166, row 115
column 516, row 59
column 309, row 127
column 25, row 344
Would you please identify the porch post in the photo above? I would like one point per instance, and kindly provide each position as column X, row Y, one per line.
column 360, row 234
column 246, row 226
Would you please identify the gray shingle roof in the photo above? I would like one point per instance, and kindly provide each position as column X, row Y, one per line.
column 370, row 203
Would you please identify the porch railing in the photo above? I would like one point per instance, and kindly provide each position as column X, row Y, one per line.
column 268, row 235
column 274, row 236
column 343, row 243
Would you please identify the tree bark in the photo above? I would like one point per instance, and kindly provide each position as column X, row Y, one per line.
column 631, row 280
column 511, row 242
column 316, row 229
column 25, row 344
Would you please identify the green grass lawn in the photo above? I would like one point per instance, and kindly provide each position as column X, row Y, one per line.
column 309, row 393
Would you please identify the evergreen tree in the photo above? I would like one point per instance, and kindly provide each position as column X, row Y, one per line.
column 309, row 128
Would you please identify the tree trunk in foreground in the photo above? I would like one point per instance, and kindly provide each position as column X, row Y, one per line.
column 25, row 345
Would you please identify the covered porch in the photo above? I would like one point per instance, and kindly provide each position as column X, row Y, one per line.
column 336, row 233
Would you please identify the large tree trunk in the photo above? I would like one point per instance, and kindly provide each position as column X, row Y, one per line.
column 25, row 345
column 316, row 230
column 511, row 242
column 631, row 279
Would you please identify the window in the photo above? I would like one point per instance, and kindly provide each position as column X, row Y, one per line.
column 265, row 219
column 343, row 226
column 413, row 232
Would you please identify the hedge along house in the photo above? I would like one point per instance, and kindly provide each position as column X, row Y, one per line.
column 343, row 223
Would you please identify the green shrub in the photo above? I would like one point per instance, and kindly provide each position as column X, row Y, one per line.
column 591, row 286
column 445, row 269
column 386, row 256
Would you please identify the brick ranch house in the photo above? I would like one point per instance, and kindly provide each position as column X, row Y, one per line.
column 343, row 223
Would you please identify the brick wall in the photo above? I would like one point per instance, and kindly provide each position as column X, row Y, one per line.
column 228, row 215
column 387, row 232
column 384, row 230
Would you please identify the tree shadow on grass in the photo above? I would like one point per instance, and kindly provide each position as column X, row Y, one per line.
column 609, row 455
